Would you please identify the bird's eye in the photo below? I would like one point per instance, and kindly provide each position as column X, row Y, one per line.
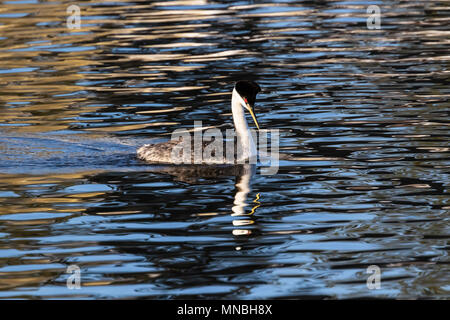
column 245, row 99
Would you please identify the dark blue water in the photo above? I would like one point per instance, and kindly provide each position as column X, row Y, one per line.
column 365, row 158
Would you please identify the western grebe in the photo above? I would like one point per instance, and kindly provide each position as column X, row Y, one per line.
column 243, row 98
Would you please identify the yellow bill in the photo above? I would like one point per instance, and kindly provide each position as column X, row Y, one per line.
column 250, row 109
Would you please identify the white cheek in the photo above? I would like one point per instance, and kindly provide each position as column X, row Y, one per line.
column 240, row 100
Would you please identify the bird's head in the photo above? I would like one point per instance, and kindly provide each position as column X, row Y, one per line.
column 246, row 92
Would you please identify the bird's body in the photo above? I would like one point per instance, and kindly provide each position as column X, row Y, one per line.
column 243, row 98
column 163, row 153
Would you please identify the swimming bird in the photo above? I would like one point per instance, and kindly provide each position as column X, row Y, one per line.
column 243, row 98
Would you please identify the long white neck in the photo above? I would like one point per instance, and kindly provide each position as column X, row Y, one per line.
column 247, row 145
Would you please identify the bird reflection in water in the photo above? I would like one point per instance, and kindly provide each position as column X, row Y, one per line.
column 243, row 188
column 244, row 175
column 128, row 190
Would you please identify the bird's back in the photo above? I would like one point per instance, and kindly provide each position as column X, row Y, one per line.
column 158, row 152
column 164, row 153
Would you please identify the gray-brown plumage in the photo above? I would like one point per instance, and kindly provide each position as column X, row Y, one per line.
column 162, row 153
column 158, row 152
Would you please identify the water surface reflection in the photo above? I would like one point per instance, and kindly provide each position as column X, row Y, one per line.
column 364, row 176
